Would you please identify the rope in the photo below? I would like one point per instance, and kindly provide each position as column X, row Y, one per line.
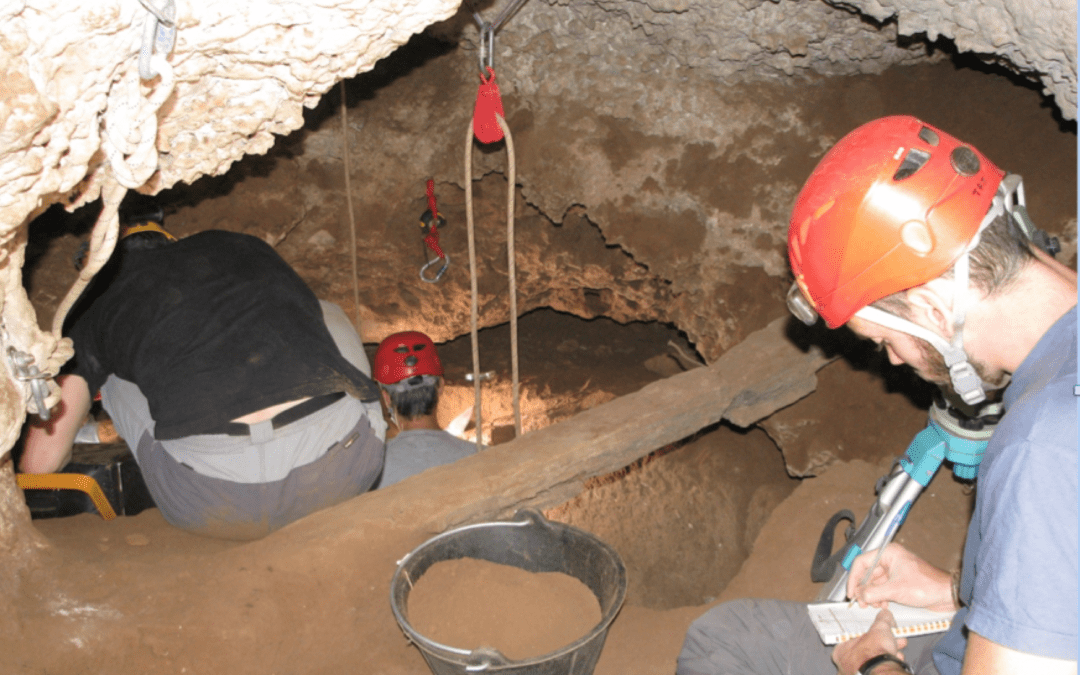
column 432, row 238
column 432, row 241
column 473, row 311
column 129, row 142
column 129, row 135
column 431, row 200
column 349, row 201
column 512, row 268
column 103, row 240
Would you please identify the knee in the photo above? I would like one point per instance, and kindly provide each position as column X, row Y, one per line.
column 725, row 617
column 714, row 641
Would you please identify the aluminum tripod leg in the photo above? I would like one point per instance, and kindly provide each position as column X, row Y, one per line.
column 877, row 530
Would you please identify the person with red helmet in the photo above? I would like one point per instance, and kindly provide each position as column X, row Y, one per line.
column 409, row 372
column 916, row 241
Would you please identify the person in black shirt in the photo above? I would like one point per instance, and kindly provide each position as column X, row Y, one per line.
column 246, row 401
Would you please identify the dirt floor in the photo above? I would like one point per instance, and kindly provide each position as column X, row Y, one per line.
column 714, row 517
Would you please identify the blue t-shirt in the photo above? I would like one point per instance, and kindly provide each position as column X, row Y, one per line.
column 1019, row 583
column 416, row 450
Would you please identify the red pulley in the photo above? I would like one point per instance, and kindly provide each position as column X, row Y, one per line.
column 488, row 105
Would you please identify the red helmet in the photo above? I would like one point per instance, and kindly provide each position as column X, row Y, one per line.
column 891, row 206
column 404, row 355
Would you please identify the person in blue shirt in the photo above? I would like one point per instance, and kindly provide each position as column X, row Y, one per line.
column 916, row 241
column 409, row 372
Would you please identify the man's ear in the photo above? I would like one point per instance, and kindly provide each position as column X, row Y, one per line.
column 931, row 307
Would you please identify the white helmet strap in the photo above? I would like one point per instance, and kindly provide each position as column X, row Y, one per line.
column 965, row 381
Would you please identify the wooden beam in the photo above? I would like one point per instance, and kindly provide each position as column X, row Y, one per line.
column 546, row 467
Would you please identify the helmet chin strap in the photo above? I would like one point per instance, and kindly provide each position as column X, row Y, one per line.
column 965, row 381
column 393, row 416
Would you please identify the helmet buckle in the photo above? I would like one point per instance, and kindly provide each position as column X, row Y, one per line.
column 967, row 383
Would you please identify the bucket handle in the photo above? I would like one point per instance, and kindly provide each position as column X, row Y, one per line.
column 531, row 516
column 482, row 658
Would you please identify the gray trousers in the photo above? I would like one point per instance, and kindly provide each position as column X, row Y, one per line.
column 771, row 637
column 228, row 510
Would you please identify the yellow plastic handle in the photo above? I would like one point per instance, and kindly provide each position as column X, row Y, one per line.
column 68, row 481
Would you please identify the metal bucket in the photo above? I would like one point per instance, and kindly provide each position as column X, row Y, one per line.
column 532, row 543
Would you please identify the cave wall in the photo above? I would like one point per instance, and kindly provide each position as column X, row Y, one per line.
column 622, row 112
column 614, row 215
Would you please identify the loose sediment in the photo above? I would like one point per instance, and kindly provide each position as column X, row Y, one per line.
column 469, row 603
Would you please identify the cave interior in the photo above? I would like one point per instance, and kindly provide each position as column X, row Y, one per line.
column 650, row 232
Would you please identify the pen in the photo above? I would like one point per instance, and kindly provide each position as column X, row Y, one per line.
column 869, row 570
column 897, row 519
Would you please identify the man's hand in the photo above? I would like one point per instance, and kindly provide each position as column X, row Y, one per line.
column 900, row 576
column 848, row 656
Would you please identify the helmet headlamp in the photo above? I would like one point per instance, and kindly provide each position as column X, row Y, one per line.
column 798, row 305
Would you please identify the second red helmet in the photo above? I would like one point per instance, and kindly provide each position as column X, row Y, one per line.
column 404, row 355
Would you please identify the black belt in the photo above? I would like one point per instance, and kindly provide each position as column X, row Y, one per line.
column 287, row 416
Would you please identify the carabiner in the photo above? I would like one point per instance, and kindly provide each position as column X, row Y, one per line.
column 25, row 371
column 487, row 48
column 446, row 264
column 159, row 35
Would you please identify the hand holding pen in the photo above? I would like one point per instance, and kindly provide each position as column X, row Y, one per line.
column 866, row 577
column 895, row 574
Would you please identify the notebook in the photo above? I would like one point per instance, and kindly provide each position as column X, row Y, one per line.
column 837, row 622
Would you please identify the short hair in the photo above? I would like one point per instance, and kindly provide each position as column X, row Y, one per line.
column 995, row 263
column 416, row 401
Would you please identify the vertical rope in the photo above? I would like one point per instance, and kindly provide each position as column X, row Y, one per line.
column 512, row 267
column 474, row 311
column 349, row 201
column 103, row 240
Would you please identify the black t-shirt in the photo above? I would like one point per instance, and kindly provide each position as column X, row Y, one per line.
column 210, row 328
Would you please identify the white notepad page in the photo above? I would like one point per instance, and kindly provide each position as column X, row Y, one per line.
column 837, row 622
